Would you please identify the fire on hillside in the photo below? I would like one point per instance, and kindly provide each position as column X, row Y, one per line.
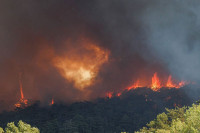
column 156, row 85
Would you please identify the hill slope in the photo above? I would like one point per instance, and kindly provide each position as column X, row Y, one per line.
column 129, row 112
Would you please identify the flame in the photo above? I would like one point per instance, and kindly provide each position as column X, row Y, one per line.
column 22, row 102
column 119, row 94
column 170, row 84
column 81, row 65
column 134, row 86
column 156, row 85
column 21, row 89
column 109, row 94
column 52, row 101
column 182, row 83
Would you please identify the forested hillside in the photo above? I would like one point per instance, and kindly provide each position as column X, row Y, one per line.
column 178, row 120
column 129, row 112
column 21, row 127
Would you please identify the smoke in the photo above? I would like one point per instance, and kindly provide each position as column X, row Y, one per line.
column 142, row 36
column 173, row 30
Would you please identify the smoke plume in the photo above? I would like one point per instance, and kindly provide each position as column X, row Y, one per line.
column 111, row 42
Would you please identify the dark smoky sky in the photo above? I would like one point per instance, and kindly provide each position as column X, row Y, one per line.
column 143, row 36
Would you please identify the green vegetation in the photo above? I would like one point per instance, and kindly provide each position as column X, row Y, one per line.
column 127, row 113
column 20, row 128
column 178, row 120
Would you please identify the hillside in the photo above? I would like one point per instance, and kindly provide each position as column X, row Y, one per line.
column 178, row 120
column 129, row 112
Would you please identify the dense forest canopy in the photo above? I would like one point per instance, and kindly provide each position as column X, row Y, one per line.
column 20, row 128
column 178, row 120
column 127, row 113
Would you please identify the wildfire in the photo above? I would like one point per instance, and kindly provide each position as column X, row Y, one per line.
column 81, row 65
column 119, row 94
column 134, row 86
column 156, row 85
column 170, row 83
column 22, row 102
column 109, row 94
column 52, row 102
column 181, row 84
column 21, row 89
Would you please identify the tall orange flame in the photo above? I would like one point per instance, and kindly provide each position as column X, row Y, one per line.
column 52, row 102
column 22, row 102
column 21, row 89
column 155, row 85
column 170, row 84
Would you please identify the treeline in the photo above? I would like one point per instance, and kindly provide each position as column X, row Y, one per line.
column 178, row 120
column 127, row 113
column 20, row 128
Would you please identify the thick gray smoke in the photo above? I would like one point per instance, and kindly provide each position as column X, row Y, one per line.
column 173, row 36
column 142, row 36
column 169, row 31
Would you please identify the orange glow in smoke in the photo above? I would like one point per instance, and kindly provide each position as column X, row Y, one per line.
column 81, row 65
column 155, row 85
